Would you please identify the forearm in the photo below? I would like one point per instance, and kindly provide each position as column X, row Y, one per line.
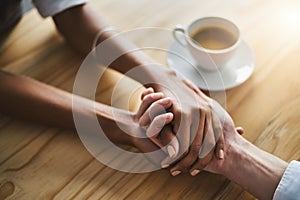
column 82, row 34
column 254, row 169
column 25, row 98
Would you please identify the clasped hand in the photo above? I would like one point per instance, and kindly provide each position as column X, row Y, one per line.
column 189, row 146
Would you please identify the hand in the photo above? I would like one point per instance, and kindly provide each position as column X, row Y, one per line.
column 152, row 116
column 215, row 165
column 151, row 109
column 146, row 138
column 193, row 122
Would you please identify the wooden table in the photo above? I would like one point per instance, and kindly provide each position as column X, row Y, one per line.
column 38, row 162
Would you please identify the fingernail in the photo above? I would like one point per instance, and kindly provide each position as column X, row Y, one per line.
column 171, row 151
column 195, row 172
column 165, row 166
column 221, row 154
column 165, row 101
column 150, row 89
column 169, row 115
column 175, row 173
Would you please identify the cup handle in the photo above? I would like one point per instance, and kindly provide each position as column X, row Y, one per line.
column 181, row 40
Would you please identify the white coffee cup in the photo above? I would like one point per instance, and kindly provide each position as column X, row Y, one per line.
column 206, row 58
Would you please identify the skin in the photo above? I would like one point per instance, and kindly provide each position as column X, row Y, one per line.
column 257, row 171
column 152, row 110
column 29, row 99
column 185, row 124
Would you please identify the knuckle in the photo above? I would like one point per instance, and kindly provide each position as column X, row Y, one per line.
column 180, row 165
column 201, row 165
column 153, row 106
column 148, row 98
column 142, row 123
column 158, row 121
column 189, row 160
column 210, row 102
column 183, row 154
column 183, row 166
column 221, row 144
column 177, row 111
column 185, row 149
column 203, row 110
column 194, row 149
column 152, row 97
column 208, row 107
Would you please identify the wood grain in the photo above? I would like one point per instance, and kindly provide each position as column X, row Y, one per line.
column 39, row 162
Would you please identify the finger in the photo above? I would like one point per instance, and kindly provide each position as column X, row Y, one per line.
column 147, row 91
column 191, row 85
column 240, row 130
column 219, row 136
column 152, row 152
column 219, row 150
column 155, row 109
column 183, row 135
column 208, row 138
column 157, row 125
column 183, row 146
column 182, row 127
column 185, row 163
column 170, row 142
column 201, row 164
column 207, row 149
column 147, row 101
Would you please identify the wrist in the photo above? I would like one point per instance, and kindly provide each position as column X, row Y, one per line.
column 232, row 155
column 237, row 150
column 163, row 76
column 117, row 124
column 155, row 75
column 255, row 170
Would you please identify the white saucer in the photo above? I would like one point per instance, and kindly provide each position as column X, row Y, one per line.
column 234, row 73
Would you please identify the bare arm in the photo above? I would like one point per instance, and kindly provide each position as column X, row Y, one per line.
column 80, row 25
column 28, row 99
column 257, row 171
column 25, row 98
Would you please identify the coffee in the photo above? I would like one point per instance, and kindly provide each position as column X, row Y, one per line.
column 216, row 41
column 213, row 38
